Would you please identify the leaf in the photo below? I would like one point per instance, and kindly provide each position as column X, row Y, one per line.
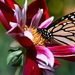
column 22, row 62
column 12, row 55
column 15, row 44
column 17, row 62
column 13, row 49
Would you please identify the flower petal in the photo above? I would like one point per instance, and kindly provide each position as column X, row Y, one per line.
column 44, row 66
column 31, row 68
column 17, row 13
column 47, row 72
column 35, row 5
column 28, row 34
column 42, row 56
column 65, row 52
column 36, row 18
column 17, row 34
column 4, row 21
column 47, row 53
column 46, row 23
column 24, row 11
column 56, row 63
column 2, row 0
column 6, row 16
column 10, row 3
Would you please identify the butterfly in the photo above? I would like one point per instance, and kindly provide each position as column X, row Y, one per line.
column 61, row 31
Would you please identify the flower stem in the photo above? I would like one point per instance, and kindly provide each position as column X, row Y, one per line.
column 18, row 70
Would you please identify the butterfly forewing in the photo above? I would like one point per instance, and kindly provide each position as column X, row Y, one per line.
column 62, row 30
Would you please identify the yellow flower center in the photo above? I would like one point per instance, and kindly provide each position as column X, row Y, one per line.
column 37, row 38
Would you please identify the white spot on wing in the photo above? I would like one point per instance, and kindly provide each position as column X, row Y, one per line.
column 62, row 18
column 69, row 15
column 66, row 19
column 74, row 22
column 72, row 16
column 64, row 23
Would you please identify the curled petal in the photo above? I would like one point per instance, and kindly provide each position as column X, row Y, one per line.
column 36, row 18
column 65, row 52
column 47, row 53
column 17, row 13
column 44, row 66
column 31, row 68
column 28, row 34
column 24, row 11
column 42, row 56
column 46, row 23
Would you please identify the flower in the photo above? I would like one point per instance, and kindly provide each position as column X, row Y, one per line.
column 35, row 5
column 15, row 21
column 22, row 25
column 64, row 52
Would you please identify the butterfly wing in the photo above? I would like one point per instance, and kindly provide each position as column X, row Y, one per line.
column 63, row 30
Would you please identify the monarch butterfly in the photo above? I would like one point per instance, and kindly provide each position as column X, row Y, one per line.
column 62, row 30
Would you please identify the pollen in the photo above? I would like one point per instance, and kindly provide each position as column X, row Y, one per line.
column 37, row 38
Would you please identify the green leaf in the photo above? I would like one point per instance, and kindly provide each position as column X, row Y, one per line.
column 22, row 62
column 12, row 55
column 19, row 61
column 14, row 49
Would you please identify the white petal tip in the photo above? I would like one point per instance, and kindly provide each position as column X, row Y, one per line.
column 52, row 18
column 28, row 34
column 46, row 23
column 40, row 10
column 15, row 5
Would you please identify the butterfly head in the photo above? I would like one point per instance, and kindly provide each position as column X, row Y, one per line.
column 45, row 34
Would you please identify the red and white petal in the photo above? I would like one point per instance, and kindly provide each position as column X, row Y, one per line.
column 24, row 11
column 18, row 35
column 65, row 52
column 47, row 53
column 35, row 5
column 6, row 16
column 36, row 19
column 40, row 58
column 28, row 34
column 44, row 66
column 3, row 1
column 46, row 23
column 17, row 13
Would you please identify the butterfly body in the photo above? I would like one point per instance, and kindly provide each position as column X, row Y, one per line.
column 62, row 30
column 45, row 34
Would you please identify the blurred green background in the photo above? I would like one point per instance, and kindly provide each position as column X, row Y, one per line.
column 57, row 8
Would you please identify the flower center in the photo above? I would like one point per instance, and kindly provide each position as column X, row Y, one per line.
column 37, row 38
